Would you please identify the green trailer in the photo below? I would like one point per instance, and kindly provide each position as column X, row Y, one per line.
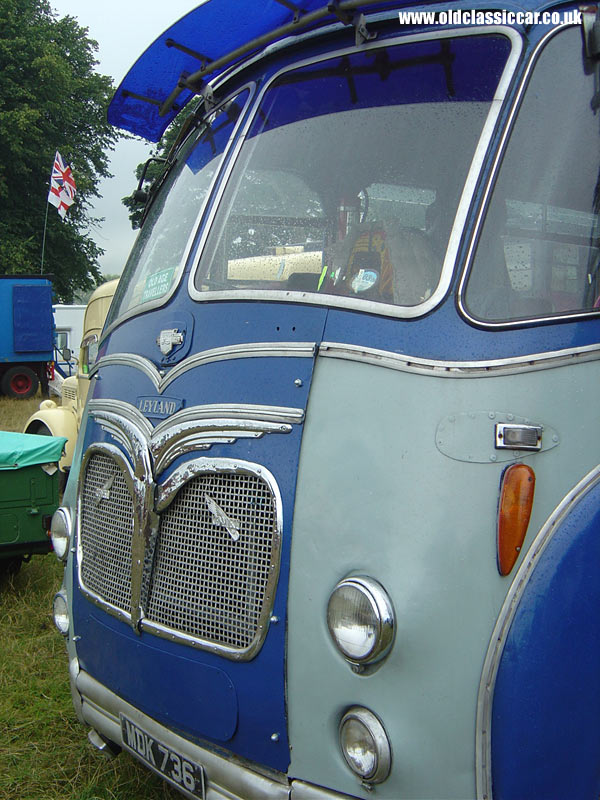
column 28, row 495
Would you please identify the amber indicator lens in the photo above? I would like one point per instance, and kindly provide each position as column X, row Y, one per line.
column 514, row 511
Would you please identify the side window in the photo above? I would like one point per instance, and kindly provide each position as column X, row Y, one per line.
column 156, row 260
column 538, row 252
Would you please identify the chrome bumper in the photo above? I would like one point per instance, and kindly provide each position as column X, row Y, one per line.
column 226, row 777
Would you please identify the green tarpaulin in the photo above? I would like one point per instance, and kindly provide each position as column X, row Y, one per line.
column 26, row 449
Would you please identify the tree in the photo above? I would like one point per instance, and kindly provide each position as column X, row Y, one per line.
column 82, row 298
column 154, row 169
column 50, row 99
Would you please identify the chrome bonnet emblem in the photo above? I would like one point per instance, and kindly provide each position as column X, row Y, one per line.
column 103, row 493
column 220, row 518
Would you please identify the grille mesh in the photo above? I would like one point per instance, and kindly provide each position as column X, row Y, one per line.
column 106, row 530
column 205, row 583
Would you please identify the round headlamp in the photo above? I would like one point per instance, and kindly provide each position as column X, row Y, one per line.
column 360, row 618
column 60, row 612
column 60, row 533
column 365, row 745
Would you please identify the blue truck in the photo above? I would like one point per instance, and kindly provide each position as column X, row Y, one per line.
column 27, row 340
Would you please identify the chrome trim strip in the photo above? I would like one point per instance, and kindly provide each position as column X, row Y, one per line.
column 132, row 312
column 160, row 381
column 128, row 360
column 203, row 434
column 128, row 426
column 459, row 369
column 251, row 350
column 167, row 492
column 195, row 428
column 483, row 766
column 489, row 187
column 384, row 309
column 281, row 414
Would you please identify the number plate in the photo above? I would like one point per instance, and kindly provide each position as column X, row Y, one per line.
column 180, row 771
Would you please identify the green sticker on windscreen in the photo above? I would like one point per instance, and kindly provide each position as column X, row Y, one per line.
column 157, row 284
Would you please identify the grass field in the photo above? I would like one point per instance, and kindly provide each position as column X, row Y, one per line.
column 44, row 752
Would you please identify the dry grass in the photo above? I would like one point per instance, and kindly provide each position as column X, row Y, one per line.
column 15, row 413
column 44, row 750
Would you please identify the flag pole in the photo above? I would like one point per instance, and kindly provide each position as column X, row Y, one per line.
column 61, row 194
column 44, row 238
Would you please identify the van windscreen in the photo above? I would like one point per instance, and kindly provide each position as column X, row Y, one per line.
column 349, row 179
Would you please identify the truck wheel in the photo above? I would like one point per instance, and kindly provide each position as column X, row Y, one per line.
column 20, row 382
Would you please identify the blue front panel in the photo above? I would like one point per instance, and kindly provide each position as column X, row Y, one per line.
column 240, row 705
column 546, row 712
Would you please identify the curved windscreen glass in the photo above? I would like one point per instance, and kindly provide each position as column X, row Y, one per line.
column 349, row 178
column 539, row 250
column 157, row 256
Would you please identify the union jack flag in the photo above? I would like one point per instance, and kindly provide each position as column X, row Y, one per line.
column 62, row 186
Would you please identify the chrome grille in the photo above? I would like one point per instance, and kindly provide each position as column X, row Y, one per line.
column 106, row 530
column 205, row 583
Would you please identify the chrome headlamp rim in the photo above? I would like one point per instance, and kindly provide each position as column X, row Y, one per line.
column 61, row 539
column 383, row 609
column 381, row 742
column 61, row 615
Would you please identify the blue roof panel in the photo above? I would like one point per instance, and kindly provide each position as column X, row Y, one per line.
column 213, row 29
column 210, row 38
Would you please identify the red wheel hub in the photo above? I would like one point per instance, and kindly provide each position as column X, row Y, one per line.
column 20, row 384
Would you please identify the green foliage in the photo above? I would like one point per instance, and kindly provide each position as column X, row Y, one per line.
column 50, row 99
column 155, row 168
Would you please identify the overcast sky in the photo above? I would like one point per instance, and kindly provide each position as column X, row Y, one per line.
column 123, row 30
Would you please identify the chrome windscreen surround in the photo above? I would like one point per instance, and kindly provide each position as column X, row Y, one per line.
column 217, row 558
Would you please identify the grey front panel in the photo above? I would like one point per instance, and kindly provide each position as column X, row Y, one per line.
column 376, row 495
